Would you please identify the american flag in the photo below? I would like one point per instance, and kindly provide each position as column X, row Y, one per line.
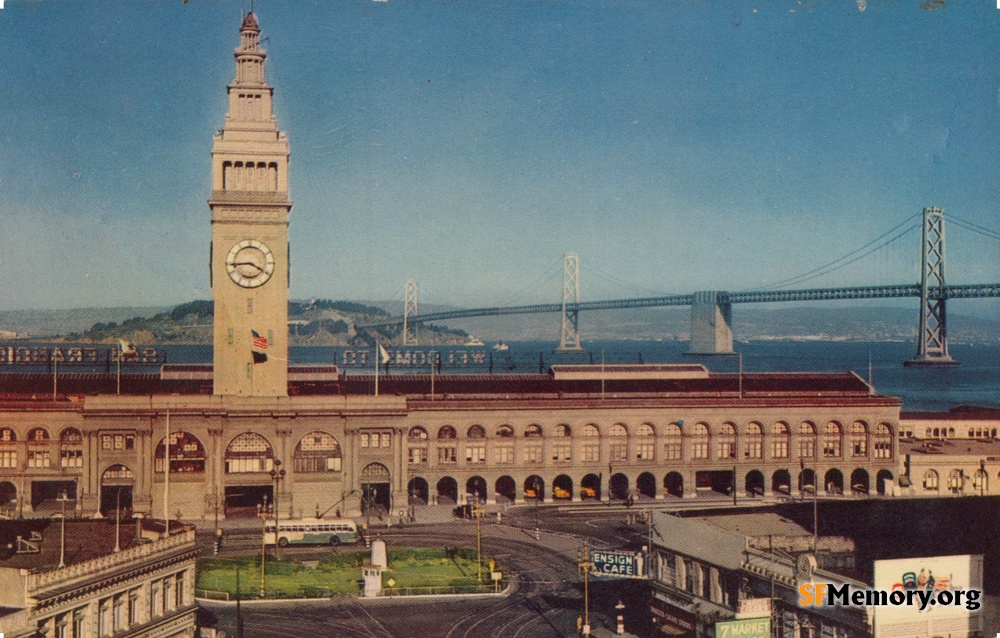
column 259, row 341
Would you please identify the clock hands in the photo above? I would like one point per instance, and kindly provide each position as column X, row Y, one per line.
column 249, row 263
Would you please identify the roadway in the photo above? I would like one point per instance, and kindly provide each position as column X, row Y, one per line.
column 545, row 599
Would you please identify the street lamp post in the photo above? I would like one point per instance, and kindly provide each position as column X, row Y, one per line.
column 276, row 476
column 262, row 514
column 477, row 510
column 585, row 565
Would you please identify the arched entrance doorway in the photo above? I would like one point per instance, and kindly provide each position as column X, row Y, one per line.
column 534, row 488
column 8, row 494
column 590, row 487
column 646, row 485
column 673, row 484
column 506, row 489
column 418, row 491
column 376, row 493
column 880, row 479
column 562, row 488
column 618, row 487
column 476, row 487
column 807, row 481
column 447, row 491
column 834, row 482
column 859, row 481
column 754, row 483
column 116, row 491
column 781, row 482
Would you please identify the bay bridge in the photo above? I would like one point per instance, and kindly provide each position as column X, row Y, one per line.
column 711, row 311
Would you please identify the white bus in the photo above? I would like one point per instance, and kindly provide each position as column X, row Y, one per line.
column 311, row 531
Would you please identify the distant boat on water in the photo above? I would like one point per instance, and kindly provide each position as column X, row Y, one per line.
column 500, row 346
column 474, row 341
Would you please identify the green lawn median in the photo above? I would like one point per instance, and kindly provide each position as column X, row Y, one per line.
column 409, row 571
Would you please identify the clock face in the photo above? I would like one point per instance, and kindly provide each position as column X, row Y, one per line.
column 250, row 263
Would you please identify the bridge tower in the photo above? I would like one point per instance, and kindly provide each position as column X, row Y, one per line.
column 569, row 340
column 932, row 337
column 410, row 308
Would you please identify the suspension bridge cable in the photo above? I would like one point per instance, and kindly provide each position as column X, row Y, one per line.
column 858, row 258
column 808, row 275
column 534, row 284
column 620, row 283
column 975, row 228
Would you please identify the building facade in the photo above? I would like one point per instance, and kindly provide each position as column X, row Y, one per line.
column 247, row 432
column 499, row 438
column 90, row 579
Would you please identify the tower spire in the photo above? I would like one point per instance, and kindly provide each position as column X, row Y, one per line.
column 250, row 207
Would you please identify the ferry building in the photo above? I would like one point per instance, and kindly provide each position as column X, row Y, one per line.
column 195, row 442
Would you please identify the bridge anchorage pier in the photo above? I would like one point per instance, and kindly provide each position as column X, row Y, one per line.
column 932, row 337
column 711, row 324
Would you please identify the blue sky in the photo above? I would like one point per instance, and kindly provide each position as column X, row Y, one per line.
column 675, row 146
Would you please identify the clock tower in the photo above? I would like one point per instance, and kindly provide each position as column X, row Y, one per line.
column 249, row 253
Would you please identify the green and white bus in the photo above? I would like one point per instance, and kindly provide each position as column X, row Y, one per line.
column 311, row 531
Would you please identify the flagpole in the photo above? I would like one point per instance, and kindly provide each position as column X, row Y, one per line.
column 119, row 388
column 55, row 379
column 378, row 359
column 432, row 375
column 166, row 477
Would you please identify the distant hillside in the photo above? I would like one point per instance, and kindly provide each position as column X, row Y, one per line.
column 315, row 322
column 47, row 323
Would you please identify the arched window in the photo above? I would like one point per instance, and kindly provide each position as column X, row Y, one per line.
column 417, row 434
column 447, row 432
column 533, row 430
column 249, row 452
column 646, row 429
column 956, row 480
column 8, row 448
column 700, row 440
column 882, row 441
column 505, row 432
column 318, row 452
column 618, row 429
column 780, row 434
column 562, row 430
column 832, row 438
column 673, row 439
column 727, row 441
column 807, row 440
column 859, row 439
column 590, row 430
column 476, row 432
column 931, row 480
column 619, row 444
column 40, row 456
column 186, row 454
column 753, row 447
column 71, row 448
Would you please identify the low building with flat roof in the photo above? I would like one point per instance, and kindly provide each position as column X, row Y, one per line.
column 96, row 578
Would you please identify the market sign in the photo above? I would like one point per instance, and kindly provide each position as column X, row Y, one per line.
column 615, row 563
column 749, row 628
